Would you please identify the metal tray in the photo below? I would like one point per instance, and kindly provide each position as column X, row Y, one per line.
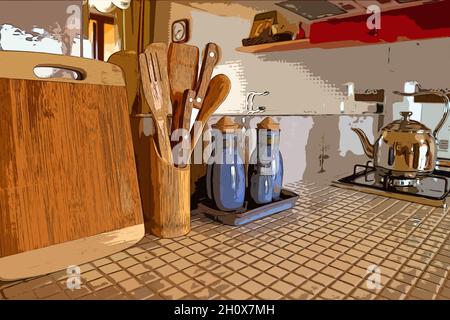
column 250, row 212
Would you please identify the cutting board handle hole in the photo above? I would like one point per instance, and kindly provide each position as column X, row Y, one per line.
column 48, row 72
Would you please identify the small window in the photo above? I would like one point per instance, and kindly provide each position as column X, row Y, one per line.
column 102, row 35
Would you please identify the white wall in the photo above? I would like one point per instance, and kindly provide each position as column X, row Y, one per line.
column 305, row 80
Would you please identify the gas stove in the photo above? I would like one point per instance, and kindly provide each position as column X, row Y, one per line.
column 430, row 190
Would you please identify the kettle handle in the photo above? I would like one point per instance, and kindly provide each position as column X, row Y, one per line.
column 437, row 93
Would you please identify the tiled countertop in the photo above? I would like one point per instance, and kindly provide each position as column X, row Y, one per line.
column 321, row 249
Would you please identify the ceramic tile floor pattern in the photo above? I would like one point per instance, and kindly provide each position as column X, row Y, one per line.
column 323, row 248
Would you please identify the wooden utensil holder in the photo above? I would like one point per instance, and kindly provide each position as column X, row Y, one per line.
column 164, row 188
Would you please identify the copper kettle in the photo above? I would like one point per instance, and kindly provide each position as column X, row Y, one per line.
column 405, row 148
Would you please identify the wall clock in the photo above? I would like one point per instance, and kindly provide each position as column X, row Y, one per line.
column 180, row 31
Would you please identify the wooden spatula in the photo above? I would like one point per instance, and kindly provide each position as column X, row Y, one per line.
column 218, row 90
column 183, row 71
column 155, row 84
column 188, row 100
column 211, row 56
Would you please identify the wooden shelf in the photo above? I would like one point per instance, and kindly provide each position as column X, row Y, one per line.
column 305, row 44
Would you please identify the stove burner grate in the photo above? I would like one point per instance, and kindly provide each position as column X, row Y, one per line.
column 432, row 189
column 389, row 181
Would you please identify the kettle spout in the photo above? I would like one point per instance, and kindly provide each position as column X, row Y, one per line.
column 367, row 146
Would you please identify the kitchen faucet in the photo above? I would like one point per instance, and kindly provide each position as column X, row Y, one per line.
column 249, row 101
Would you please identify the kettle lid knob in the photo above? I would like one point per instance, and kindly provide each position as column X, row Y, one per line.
column 406, row 114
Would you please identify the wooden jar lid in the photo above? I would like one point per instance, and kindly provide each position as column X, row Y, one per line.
column 226, row 124
column 269, row 124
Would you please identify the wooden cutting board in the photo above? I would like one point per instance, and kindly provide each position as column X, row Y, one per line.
column 128, row 62
column 68, row 184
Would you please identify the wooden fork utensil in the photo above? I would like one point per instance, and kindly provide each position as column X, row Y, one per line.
column 153, row 67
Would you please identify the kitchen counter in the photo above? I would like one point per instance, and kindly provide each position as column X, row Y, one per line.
column 326, row 247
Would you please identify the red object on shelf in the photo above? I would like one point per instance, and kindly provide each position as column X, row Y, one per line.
column 421, row 22
column 300, row 33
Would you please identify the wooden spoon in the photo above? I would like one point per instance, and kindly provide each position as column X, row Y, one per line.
column 218, row 90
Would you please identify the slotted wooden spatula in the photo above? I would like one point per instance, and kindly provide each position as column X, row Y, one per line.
column 218, row 90
column 183, row 71
column 152, row 63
